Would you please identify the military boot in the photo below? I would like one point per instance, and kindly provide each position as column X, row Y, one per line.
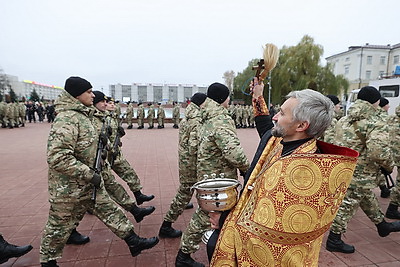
column 140, row 213
column 189, row 206
column 8, row 250
column 184, row 260
column 167, row 231
column 136, row 244
column 385, row 192
column 77, row 239
column 385, row 228
column 392, row 212
column 140, row 198
column 130, row 127
column 335, row 243
column 52, row 263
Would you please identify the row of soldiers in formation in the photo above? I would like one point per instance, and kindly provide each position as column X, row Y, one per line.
column 151, row 115
column 15, row 114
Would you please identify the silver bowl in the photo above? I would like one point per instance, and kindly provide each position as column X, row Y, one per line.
column 217, row 194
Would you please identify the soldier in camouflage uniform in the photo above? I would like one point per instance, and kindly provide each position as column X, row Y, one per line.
column 117, row 109
column 10, row 115
column 329, row 134
column 116, row 191
column 160, row 116
column 245, row 116
column 140, row 116
column 3, row 110
column 129, row 115
column 219, row 152
column 363, row 131
column 384, row 116
column 71, row 153
column 394, row 135
column 176, row 115
column 22, row 113
column 150, row 116
column 251, row 118
column 187, row 150
column 119, row 164
column 239, row 116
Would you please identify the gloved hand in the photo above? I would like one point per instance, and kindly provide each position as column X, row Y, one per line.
column 96, row 180
column 385, row 172
column 104, row 139
column 121, row 131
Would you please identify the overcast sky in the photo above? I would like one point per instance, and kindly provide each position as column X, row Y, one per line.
column 177, row 41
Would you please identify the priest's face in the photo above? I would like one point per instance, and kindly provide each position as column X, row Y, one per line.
column 283, row 120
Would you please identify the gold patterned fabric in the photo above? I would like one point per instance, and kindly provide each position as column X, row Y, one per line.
column 288, row 204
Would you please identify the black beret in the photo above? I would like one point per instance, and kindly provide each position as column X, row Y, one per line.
column 383, row 102
column 98, row 96
column 198, row 98
column 369, row 93
column 218, row 92
column 76, row 86
column 334, row 99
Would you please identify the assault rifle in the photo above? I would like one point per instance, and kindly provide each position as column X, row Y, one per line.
column 117, row 143
column 388, row 178
column 101, row 153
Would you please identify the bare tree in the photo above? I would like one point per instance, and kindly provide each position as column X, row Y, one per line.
column 229, row 76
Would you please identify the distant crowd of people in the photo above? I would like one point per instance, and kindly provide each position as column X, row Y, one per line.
column 16, row 114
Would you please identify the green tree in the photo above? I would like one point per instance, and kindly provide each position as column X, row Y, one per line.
column 242, row 81
column 298, row 68
column 34, row 96
column 13, row 96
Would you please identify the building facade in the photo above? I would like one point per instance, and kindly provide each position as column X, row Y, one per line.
column 23, row 89
column 157, row 93
column 361, row 64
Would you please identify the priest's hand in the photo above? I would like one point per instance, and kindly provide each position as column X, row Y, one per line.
column 256, row 88
column 214, row 219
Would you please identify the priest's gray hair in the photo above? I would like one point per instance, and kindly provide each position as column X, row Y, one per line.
column 313, row 107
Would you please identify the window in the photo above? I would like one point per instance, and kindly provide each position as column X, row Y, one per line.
column 347, row 59
column 368, row 74
column 346, row 70
column 389, row 90
column 383, row 60
column 396, row 59
column 369, row 60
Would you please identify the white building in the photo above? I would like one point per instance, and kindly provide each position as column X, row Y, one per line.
column 163, row 93
column 361, row 64
column 25, row 88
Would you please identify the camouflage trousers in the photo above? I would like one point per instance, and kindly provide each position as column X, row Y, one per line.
column 198, row 225
column 129, row 120
column 125, row 171
column 116, row 191
column 150, row 121
column 238, row 120
column 179, row 202
column 176, row 121
column 140, row 122
column 395, row 191
column 354, row 198
column 65, row 215
column 160, row 121
column 380, row 180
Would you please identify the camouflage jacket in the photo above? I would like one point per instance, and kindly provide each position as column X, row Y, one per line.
column 160, row 112
column 71, row 150
column 394, row 135
column 150, row 113
column 140, row 112
column 329, row 134
column 374, row 150
column 175, row 111
column 188, row 144
column 219, row 149
column 129, row 111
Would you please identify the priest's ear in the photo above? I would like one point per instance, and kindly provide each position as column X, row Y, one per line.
column 302, row 126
